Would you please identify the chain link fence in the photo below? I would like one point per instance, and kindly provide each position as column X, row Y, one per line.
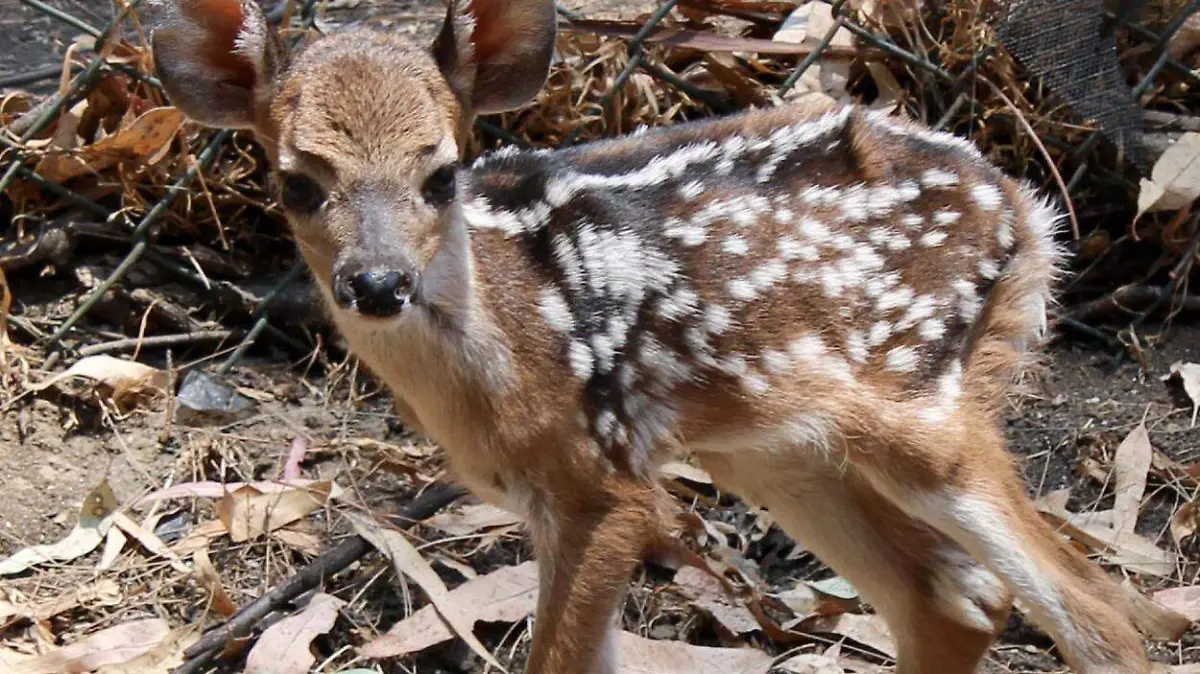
column 1073, row 63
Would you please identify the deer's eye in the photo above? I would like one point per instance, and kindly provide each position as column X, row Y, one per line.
column 300, row 193
column 439, row 186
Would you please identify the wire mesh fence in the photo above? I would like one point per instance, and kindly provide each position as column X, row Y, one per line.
column 1053, row 90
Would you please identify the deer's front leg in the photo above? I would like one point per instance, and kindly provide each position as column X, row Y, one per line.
column 588, row 540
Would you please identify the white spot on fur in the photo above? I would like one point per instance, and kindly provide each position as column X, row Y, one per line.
column 735, row 244
column 856, row 346
column 933, row 239
column 776, row 362
column 968, row 300
column 581, row 358
column 987, row 196
column 902, row 359
column 936, row 177
column 717, row 319
column 879, row 333
column 690, row 190
column 988, row 269
column 555, row 310
column 946, row 217
column 913, row 221
column 931, row 329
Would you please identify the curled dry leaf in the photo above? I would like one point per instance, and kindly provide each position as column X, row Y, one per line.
column 248, row 513
column 95, row 518
column 161, row 659
column 810, row 663
column 506, row 595
column 285, row 647
column 210, row 580
column 149, row 541
column 638, row 655
column 408, row 561
column 1130, row 550
column 1184, row 522
column 111, row 646
column 472, row 518
column 142, row 141
column 869, row 630
column 685, row 471
column 707, row 593
column 1174, row 182
column 120, row 377
column 1132, row 465
column 218, row 489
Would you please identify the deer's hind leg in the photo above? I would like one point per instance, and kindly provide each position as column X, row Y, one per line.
column 960, row 480
column 942, row 607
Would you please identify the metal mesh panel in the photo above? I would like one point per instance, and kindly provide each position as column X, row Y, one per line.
column 1064, row 43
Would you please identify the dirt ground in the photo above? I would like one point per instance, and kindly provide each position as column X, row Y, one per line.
column 55, row 448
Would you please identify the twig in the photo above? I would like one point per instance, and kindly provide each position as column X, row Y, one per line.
column 1062, row 185
column 156, row 341
column 332, row 562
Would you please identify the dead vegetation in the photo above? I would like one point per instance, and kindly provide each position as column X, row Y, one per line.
column 151, row 303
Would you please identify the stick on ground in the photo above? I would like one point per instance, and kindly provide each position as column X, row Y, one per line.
column 345, row 553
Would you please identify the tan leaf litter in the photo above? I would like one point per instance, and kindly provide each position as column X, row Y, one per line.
column 248, row 513
column 142, row 140
column 1131, row 465
column 707, row 593
column 1156, row 621
column 208, row 578
column 505, row 595
column 1183, row 600
column 408, row 561
column 810, row 663
column 121, row 376
column 161, row 659
column 472, row 518
column 1184, row 522
column 286, row 646
column 95, row 518
column 639, row 655
column 110, row 646
column 1174, row 182
column 149, row 541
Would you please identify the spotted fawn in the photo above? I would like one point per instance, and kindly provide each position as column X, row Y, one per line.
column 823, row 306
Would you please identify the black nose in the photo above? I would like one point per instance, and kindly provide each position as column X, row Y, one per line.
column 374, row 293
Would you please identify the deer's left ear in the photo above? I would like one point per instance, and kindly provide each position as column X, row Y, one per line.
column 496, row 53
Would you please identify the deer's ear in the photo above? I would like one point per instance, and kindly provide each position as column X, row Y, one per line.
column 215, row 58
column 496, row 53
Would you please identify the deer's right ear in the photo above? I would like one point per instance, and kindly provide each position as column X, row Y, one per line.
column 215, row 58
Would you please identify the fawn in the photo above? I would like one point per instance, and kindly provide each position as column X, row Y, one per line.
column 823, row 305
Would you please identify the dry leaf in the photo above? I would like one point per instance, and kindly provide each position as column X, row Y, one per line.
column 1156, row 621
column 285, row 647
column 161, row 659
column 1184, row 522
column 114, row 645
column 121, row 377
column 209, row 579
column 865, row 629
column 114, row 543
column 638, row 655
column 835, row 586
column 1131, row 465
column 248, row 513
column 1174, row 181
column 810, row 663
column 707, row 594
column 199, row 537
column 506, row 595
column 140, row 141
column 1186, row 39
column 149, row 541
column 298, row 539
column 219, row 489
column 1183, row 600
column 471, row 518
column 408, row 561
column 703, row 40
column 95, row 518
column 1189, row 374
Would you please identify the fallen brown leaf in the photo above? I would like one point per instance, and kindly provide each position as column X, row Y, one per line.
column 1184, row 522
column 1189, row 376
column 111, row 646
column 1174, row 182
column 1131, row 465
column 408, row 561
column 1183, row 600
column 639, row 655
column 121, row 377
column 210, row 580
column 149, row 541
column 1155, row 620
column 506, row 595
column 141, row 140
column 161, row 659
column 471, row 518
column 810, row 663
column 700, row 40
column 285, row 647
column 249, row 513
column 706, row 593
